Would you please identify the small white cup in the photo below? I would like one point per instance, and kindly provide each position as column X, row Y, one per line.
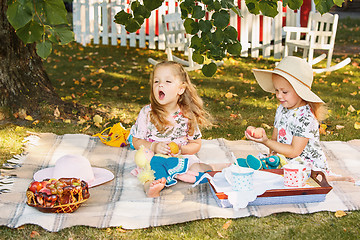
column 295, row 175
column 240, row 178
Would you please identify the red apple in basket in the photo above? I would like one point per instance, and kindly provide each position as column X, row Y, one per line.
column 35, row 186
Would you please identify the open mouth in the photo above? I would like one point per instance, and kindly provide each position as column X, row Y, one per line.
column 161, row 95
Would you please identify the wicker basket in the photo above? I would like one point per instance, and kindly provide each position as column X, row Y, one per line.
column 58, row 206
column 66, row 208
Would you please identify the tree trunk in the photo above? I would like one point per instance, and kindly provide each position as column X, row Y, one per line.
column 24, row 84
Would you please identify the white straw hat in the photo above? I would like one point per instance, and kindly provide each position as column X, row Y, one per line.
column 297, row 71
column 75, row 166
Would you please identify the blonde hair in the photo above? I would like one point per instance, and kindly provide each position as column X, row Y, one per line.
column 191, row 105
column 319, row 110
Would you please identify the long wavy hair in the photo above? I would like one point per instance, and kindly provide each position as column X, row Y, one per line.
column 319, row 109
column 191, row 105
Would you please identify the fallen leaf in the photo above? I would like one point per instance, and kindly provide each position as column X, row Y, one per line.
column 35, row 122
column 264, row 125
column 338, row 127
column 119, row 229
column 97, row 119
column 22, row 113
column 351, row 108
column 228, row 95
column 67, row 121
column 219, row 234
column 56, row 112
column 357, row 125
column 29, row 118
column 101, row 70
column 227, row 224
column 34, row 234
column 115, row 88
column 340, row 213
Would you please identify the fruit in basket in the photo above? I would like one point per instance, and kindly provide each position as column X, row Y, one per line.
column 35, row 186
column 53, row 193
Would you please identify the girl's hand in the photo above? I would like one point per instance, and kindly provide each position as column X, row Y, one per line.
column 162, row 148
column 262, row 139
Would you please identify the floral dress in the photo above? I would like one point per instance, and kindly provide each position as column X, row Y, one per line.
column 301, row 122
column 144, row 129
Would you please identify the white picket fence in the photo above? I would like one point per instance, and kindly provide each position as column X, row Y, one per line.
column 93, row 21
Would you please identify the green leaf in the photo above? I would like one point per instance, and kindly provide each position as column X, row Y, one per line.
column 231, row 33
column 293, row 4
column 134, row 5
column 65, row 34
column 205, row 25
column 132, row 25
column 234, row 49
column 218, row 36
column 195, row 42
column 323, row 6
column 253, row 6
column 209, row 69
column 152, row 4
column 19, row 13
column 122, row 17
column 55, row 12
column 216, row 6
column 191, row 26
column 31, row 32
column 338, row 2
column 143, row 11
column 198, row 12
column 43, row 49
column 221, row 19
column 268, row 8
column 208, row 2
column 197, row 57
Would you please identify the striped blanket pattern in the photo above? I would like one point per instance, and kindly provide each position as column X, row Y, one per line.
column 122, row 201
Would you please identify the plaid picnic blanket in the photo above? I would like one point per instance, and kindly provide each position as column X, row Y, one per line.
column 122, row 201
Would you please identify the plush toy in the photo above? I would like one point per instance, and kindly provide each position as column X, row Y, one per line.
column 142, row 160
column 152, row 167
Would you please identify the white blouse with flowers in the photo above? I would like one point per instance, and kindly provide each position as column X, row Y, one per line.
column 144, row 129
column 301, row 122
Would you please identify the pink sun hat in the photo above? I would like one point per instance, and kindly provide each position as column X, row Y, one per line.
column 75, row 166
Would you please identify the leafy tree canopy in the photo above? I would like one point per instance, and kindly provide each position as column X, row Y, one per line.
column 41, row 21
column 213, row 38
column 44, row 22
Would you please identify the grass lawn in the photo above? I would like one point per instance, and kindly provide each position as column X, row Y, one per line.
column 114, row 80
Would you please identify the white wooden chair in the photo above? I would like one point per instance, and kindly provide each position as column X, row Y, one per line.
column 320, row 34
column 176, row 38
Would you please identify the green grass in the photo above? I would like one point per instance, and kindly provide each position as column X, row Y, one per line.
column 115, row 80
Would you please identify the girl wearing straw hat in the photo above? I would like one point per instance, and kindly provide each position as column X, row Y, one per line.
column 296, row 126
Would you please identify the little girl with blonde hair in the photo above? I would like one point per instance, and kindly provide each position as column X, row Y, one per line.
column 296, row 125
column 174, row 114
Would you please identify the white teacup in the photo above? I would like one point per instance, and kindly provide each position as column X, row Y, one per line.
column 240, row 178
column 295, row 175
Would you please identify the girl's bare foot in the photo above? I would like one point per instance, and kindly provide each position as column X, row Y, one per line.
column 155, row 187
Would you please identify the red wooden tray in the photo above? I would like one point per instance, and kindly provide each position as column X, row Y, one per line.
column 322, row 188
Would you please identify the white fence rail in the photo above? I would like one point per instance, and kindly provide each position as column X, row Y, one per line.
column 93, row 20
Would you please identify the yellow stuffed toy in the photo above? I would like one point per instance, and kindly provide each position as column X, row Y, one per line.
column 116, row 137
column 142, row 159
